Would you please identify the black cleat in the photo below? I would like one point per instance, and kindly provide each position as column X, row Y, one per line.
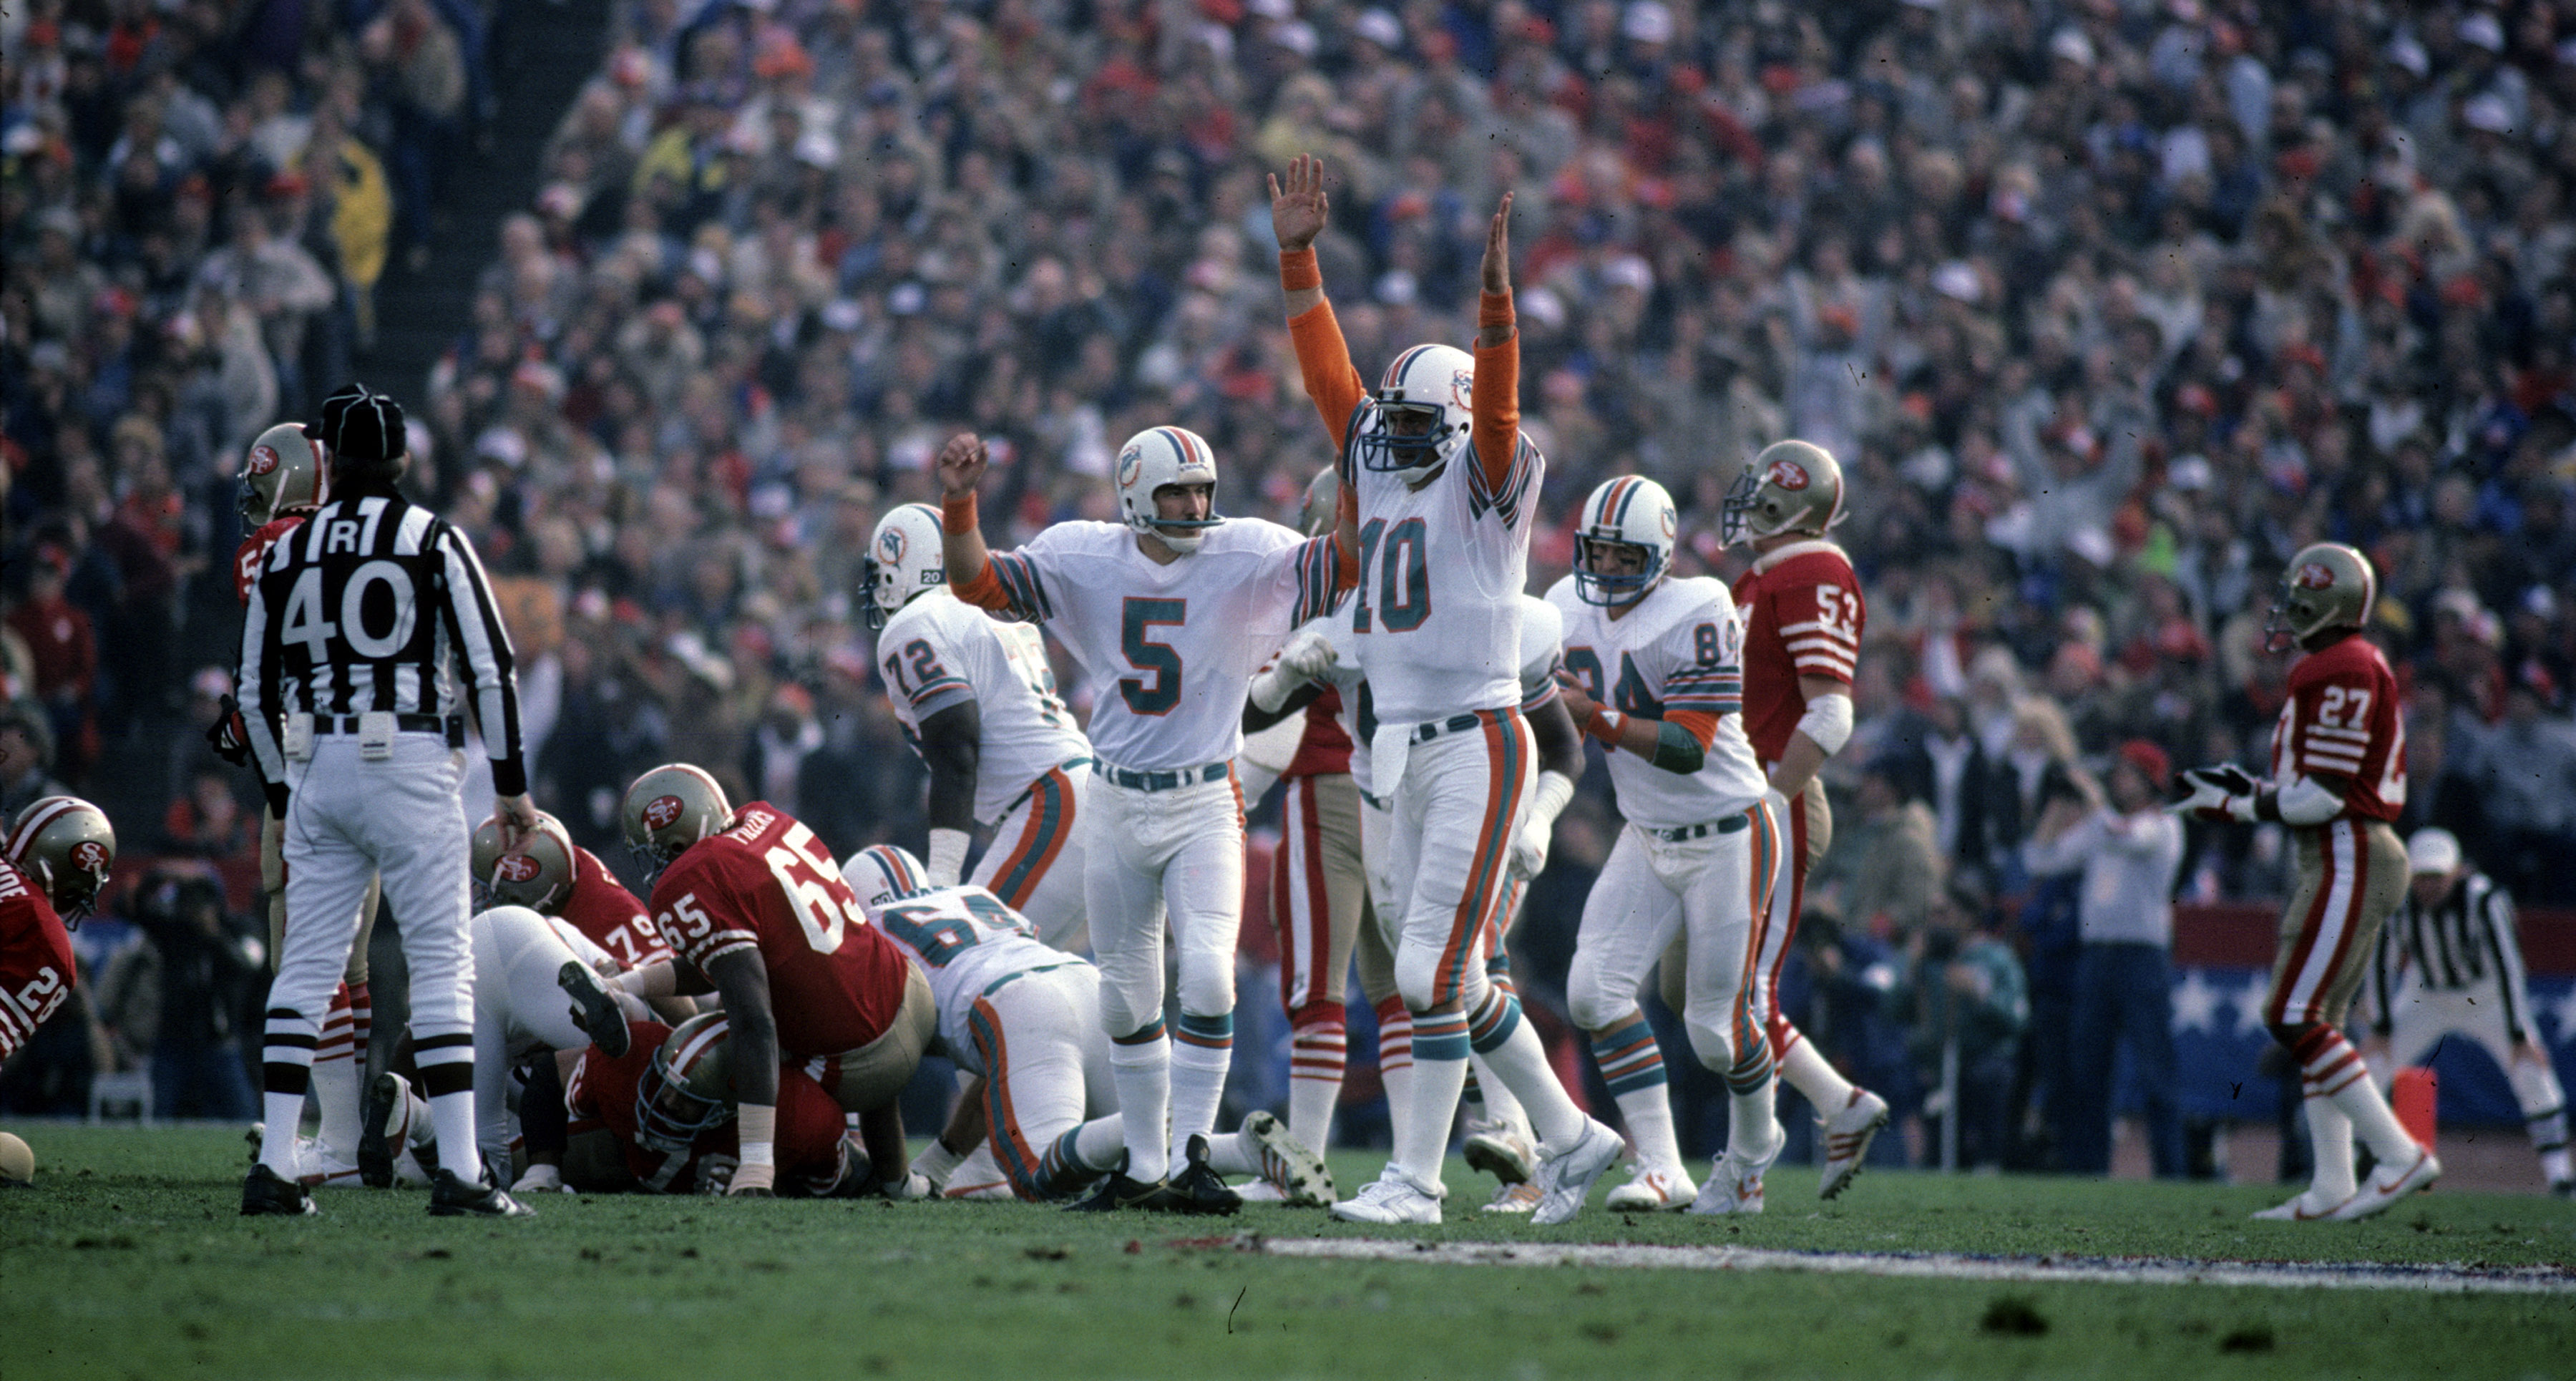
column 375, row 1149
column 1117, row 1190
column 450, row 1197
column 1199, row 1188
column 593, row 1010
column 265, row 1194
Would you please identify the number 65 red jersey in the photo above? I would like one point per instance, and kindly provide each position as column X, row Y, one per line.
column 2342, row 717
column 767, row 884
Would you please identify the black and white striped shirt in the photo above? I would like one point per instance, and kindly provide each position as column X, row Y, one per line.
column 2465, row 944
column 374, row 604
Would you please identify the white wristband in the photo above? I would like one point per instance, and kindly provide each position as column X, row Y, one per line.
column 937, row 1163
column 1828, row 721
column 1270, row 690
column 756, row 1127
column 1548, row 801
column 947, row 859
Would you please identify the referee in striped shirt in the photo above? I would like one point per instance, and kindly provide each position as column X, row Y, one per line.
column 361, row 624
column 2449, row 964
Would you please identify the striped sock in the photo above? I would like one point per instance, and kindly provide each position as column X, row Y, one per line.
column 1202, row 1052
column 362, row 1018
column 1633, row 1066
column 335, row 1080
column 1318, row 1047
column 1140, row 1065
column 1395, row 1063
column 2330, row 1146
column 2332, row 1067
column 446, row 1060
column 286, row 1069
column 1493, row 1021
column 1439, row 1074
column 1065, row 1166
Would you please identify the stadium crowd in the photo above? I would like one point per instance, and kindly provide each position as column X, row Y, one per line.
column 2108, row 308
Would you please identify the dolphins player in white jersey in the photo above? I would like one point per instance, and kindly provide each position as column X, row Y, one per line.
column 978, row 702
column 1656, row 663
column 1440, row 492
column 1170, row 613
column 1023, row 1021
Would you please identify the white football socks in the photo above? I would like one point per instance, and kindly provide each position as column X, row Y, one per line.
column 1143, row 1075
column 2330, row 1145
column 1810, row 1073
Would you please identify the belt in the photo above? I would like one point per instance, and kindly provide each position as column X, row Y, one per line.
column 1032, row 788
column 1161, row 781
column 1733, row 824
column 1454, row 724
column 451, row 726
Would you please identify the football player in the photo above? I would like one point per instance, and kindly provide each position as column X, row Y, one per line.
column 2338, row 777
column 1802, row 612
column 756, row 905
column 552, row 876
column 1439, row 492
column 661, row 1117
column 59, row 853
column 538, row 987
column 1170, row 613
column 978, row 702
column 1656, row 666
column 1022, row 1019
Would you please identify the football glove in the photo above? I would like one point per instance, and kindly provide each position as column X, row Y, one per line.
column 230, row 740
column 1529, row 851
column 2221, row 793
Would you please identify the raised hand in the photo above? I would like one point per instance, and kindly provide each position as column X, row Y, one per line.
column 1497, row 268
column 961, row 464
column 1298, row 213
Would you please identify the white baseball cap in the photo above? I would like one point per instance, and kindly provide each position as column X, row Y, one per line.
column 2432, row 851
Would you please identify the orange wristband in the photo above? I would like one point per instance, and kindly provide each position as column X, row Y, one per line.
column 1298, row 269
column 1494, row 309
column 957, row 512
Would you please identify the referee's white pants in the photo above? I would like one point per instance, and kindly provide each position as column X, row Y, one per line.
column 519, row 1008
column 2419, row 1020
column 401, row 818
column 1153, row 852
column 1650, row 890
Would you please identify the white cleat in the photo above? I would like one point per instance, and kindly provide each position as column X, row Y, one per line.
column 1734, row 1185
column 1260, row 1191
column 1847, row 1136
column 2384, row 1188
column 2309, row 1207
column 1287, row 1165
column 1393, row 1198
column 1514, row 1198
column 1652, row 1189
column 1501, row 1150
column 1565, row 1176
column 992, row 1190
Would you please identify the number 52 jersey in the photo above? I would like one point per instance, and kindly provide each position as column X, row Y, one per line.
column 767, row 884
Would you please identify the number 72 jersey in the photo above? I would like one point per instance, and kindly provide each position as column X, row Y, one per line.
column 939, row 651
column 2342, row 718
column 966, row 941
column 768, row 885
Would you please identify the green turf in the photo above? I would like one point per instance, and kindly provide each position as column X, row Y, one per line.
column 128, row 1258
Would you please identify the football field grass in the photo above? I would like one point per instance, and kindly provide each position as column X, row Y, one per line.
column 128, row 1258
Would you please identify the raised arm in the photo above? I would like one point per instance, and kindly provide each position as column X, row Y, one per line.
column 1498, row 359
column 1299, row 211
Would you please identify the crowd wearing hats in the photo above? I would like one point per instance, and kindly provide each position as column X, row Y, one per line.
column 2107, row 308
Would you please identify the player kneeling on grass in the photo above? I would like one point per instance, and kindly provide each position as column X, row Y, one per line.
column 660, row 1117
column 1701, row 849
column 1023, row 1021
column 2338, row 778
column 757, row 908
column 59, row 849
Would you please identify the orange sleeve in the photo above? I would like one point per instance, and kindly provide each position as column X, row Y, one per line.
column 985, row 591
column 1498, row 395
column 1699, row 724
column 1324, row 359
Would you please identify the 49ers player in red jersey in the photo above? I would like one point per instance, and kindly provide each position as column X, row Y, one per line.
column 666, row 1106
column 552, row 876
column 1803, row 615
column 756, row 905
column 59, row 852
column 2338, row 778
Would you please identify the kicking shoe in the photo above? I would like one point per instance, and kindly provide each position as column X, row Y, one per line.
column 1734, row 1186
column 1514, row 1198
column 322, row 1170
column 1565, row 1176
column 1298, row 1174
column 1260, row 1192
column 1500, row 1149
column 2309, row 1207
column 1199, row 1188
column 593, row 1009
column 1393, row 1198
column 450, row 1197
column 2386, row 1186
column 1117, row 1190
column 266, row 1193
column 388, row 1104
column 989, row 1190
column 1652, row 1189
column 1847, row 1135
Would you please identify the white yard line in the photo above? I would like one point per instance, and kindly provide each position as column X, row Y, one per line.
column 2291, row 1275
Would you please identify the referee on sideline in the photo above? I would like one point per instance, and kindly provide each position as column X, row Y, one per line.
column 358, row 626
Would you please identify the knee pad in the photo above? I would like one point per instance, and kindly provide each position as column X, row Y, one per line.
column 1585, row 1000
column 1712, row 1034
column 1419, row 979
column 1207, row 984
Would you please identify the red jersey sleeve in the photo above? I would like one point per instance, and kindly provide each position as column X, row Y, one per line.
column 36, row 971
column 601, row 908
column 2342, row 720
column 254, row 553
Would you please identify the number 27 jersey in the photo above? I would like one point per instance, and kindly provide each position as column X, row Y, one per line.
column 2342, row 717
column 768, row 885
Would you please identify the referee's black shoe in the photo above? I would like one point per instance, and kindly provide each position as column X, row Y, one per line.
column 1198, row 1186
column 450, row 1197
column 265, row 1193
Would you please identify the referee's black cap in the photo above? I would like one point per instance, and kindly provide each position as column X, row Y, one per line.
column 359, row 424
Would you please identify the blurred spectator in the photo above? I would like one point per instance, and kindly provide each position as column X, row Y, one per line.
column 2127, row 850
column 1963, row 1001
column 1839, row 989
column 169, row 1001
column 63, row 656
column 26, row 758
column 1885, row 867
column 2526, row 779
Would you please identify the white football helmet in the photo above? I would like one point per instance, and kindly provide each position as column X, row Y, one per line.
column 903, row 560
column 883, row 874
column 1629, row 511
column 1421, row 416
column 284, row 470
column 1158, row 456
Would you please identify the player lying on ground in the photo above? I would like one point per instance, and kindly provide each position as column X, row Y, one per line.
column 660, row 1117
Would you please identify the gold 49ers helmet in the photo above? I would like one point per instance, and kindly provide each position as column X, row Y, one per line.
column 2327, row 585
column 537, row 875
column 67, row 846
column 284, row 470
column 1792, row 486
column 668, row 809
column 685, row 1090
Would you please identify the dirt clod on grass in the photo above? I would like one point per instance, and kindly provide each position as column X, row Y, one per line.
column 2014, row 1314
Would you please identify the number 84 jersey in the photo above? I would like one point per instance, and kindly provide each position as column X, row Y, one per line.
column 965, row 940
column 767, row 884
column 939, row 652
